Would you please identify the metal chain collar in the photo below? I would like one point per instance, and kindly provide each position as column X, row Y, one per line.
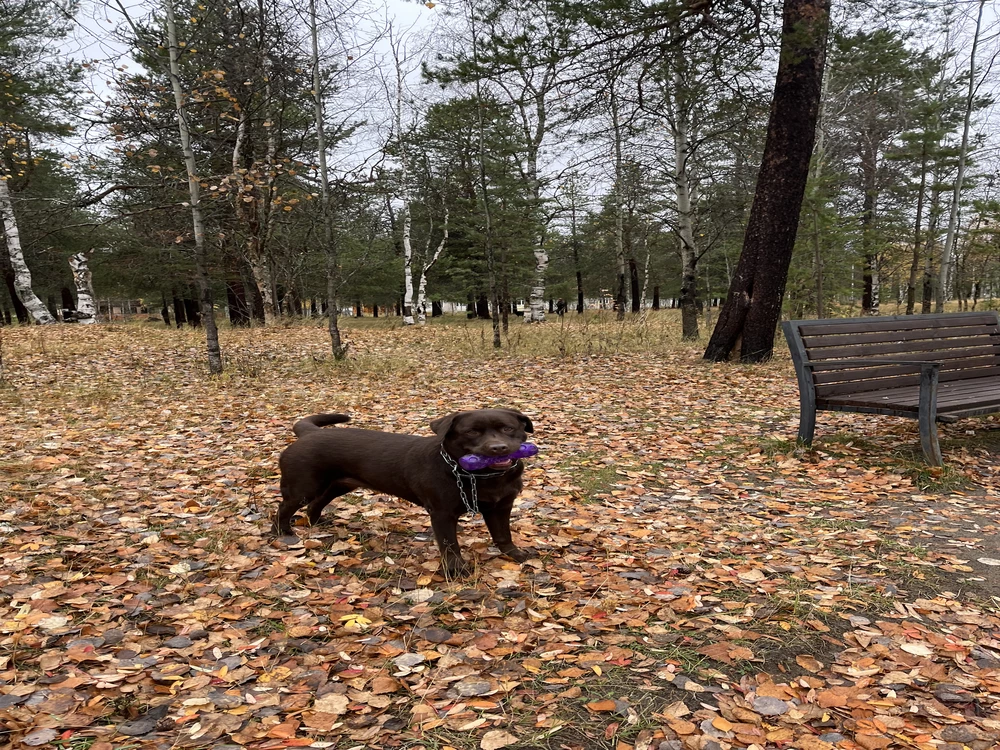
column 473, row 506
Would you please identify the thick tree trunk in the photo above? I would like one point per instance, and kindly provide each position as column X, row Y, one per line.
column 83, row 280
column 22, row 276
column 750, row 316
column 194, row 190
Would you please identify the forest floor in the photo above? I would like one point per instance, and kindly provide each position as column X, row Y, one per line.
column 702, row 582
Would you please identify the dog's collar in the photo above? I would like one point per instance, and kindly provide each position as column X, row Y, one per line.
column 471, row 504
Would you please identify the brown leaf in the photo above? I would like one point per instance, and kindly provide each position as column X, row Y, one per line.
column 497, row 738
column 809, row 663
column 602, row 706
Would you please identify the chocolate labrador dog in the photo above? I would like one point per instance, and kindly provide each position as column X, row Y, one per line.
column 325, row 464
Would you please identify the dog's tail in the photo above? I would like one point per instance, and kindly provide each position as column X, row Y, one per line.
column 317, row 421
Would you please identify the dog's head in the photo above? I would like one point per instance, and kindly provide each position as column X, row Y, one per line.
column 484, row 432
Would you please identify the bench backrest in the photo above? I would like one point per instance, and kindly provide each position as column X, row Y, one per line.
column 966, row 344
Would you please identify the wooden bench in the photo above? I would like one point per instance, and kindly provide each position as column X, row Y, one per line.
column 933, row 368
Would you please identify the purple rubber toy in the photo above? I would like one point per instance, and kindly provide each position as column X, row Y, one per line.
column 472, row 462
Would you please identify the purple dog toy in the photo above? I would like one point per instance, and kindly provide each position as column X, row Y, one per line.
column 472, row 462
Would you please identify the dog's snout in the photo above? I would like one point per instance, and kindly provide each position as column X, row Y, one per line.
column 498, row 449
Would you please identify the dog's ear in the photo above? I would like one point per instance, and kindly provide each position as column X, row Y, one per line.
column 528, row 427
column 442, row 425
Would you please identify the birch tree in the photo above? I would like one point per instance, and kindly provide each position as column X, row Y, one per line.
column 86, row 307
column 22, row 276
column 194, row 191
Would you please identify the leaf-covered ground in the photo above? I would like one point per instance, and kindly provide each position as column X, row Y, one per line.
column 702, row 583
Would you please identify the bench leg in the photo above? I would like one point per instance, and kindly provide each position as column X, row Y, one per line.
column 927, row 416
column 807, row 425
column 929, row 440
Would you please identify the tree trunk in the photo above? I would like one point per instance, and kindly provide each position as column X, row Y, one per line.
column 633, row 282
column 911, row 284
column 83, row 280
column 180, row 314
column 22, row 276
column 949, row 242
column 819, row 157
column 248, row 207
column 427, row 266
column 337, row 347
column 685, row 219
column 869, row 171
column 749, row 318
column 194, row 190
column 20, row 311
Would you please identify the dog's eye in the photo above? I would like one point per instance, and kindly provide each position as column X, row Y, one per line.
column 473, row 433
column 508, row 430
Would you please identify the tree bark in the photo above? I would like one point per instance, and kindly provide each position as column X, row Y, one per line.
column 870, row 280
column 911, row 284
column 22, row 276
column 337, row 347
column 426, row 267
column 749, row 318
column 194, row 190
column 685, row 217
column 83, row 280
column 948, row 252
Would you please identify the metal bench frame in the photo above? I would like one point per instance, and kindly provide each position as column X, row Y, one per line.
column 897, row 366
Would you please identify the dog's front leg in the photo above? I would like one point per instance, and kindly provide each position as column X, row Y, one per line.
column 497, row 519
column 445, row 527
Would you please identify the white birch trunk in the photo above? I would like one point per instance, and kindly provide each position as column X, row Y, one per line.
column 407, row 261
column 83, row 281
column 537, row 296
column 422, row 285
column 22, row 276
column 404, row 190
column 645, row 265
column 194, row 190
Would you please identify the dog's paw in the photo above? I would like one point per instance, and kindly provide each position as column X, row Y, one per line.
column 520, row 554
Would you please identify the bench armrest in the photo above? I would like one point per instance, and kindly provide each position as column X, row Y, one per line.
column 846, row 364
